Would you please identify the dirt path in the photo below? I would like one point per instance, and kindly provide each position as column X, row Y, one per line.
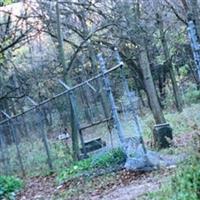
column 132, row 191
column 38, row 188
column 121, row 185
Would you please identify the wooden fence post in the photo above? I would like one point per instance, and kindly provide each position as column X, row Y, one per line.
column 3, row 156
column 76, row 129
column 42, row 132
column 131, row 99
column 44, row 138
column 75, row 125
column 192, row 34
column 13, row 132
column 115, row 115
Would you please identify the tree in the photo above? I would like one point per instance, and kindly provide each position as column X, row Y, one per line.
column 168, row 62
column 149, row 84
column 16, row 31
column 74, row 120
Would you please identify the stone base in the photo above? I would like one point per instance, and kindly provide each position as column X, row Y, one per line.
column 162, row 135
column 139, row 161
column 155, row 161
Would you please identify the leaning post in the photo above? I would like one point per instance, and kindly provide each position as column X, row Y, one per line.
column 75, row 125
column 13, row 132
column 131, row 100
column 107, row 86
column 192, row 34
column 4, row 157
column 42, row 131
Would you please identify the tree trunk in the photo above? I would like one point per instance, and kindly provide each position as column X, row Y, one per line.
column 75, row 128
column 60, row 42
column 195, row 15
column 150, row 87
column 4, row 127
column 86, row 104
column 74, row 121
column 176, row 90
column 177, row 93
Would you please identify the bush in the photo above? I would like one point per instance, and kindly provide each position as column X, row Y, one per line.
column 113, row 157
column 185, row 185
column 8, row 186
column 192, row 95
column 107, row 159
column 75, row 169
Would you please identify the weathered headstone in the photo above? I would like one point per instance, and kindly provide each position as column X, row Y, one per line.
column 162, row 135
column 93, row 145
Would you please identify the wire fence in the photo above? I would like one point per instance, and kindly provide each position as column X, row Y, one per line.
column 35, row 142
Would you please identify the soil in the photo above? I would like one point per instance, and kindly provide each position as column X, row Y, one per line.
column 121, row 185
column 125, row 186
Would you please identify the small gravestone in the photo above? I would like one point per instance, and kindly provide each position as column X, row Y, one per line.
column 93, row 145
column 64, row 135
column 162, row 135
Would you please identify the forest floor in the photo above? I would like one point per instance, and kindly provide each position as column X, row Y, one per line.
column 121, row 185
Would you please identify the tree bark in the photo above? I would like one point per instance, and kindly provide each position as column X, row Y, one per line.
column 149, row 85
column 75, row 128
column 195, row 15
column 74, row 122
column 177, row 93
column 60, row 42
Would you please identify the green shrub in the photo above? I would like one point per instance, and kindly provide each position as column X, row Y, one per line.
column 107, row 159
column 75, row 169
column 113, row 157
column 8, row 186
column 185, row 185
column 192, row 96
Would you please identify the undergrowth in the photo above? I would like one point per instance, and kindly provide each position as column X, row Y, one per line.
column 9, row 186
column 34, row 156
column 183, row 122
column 184, row 185
column 111, row 158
